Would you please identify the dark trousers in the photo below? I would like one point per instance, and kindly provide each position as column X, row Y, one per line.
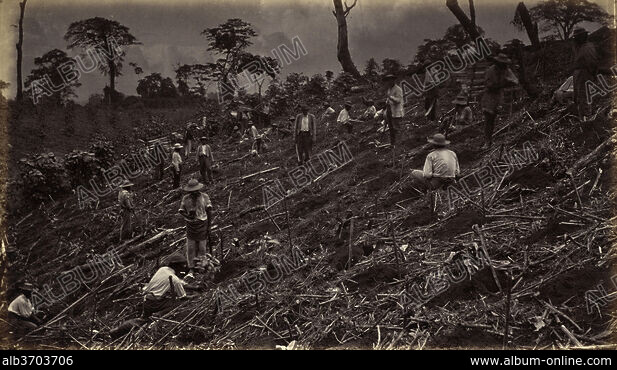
column 489, row 125
column 177, row 175
column 154, row 305
column 393, row 123
column 21, row 325
column 205, row 169
column 305, row 144
column 126, row 230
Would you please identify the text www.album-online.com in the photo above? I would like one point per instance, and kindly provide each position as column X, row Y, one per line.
column 535, row 361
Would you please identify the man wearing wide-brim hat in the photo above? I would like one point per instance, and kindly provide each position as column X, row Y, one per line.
column 205, row 160
column 176, row 165
column 441, row 166
column 127, row 208
column 586, row 63
column 22, row 313
column 196, row 209
column 496, row 78
column 394, row 106
column 462, row 112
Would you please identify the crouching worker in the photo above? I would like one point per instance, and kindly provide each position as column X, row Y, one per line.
column 22, row 315
column 441, row 167
column 196, row 209
column 165, row 287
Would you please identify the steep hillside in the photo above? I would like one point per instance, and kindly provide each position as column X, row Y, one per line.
column 404, row 275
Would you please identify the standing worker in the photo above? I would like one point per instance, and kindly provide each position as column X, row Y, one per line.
column 189, row 139
column 394, row 106
column 176, row 165
column 585, row 69
column 125, row 201
column 205, row 160
column 196, row 209
column 304, row 134
column 256, row 137
column 496, row 78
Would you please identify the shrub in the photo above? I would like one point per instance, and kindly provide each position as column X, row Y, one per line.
column 43, row 175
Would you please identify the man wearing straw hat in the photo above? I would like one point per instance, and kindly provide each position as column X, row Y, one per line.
column 394, row 106
column 205, row 160
column 441, row 166
column 585, row 69
column 462, row 112
column 176, row 163
column 196, row 209
column 125, row 201
column 22, row 311
column 496, row 78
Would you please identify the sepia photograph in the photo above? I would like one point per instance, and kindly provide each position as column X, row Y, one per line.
column 308, row 175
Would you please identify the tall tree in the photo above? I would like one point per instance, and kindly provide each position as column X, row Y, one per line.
column 468, row 24
column 20, row 42
column 228, row 41
column 342, row 46
column 562, row 16
column 522, row 19
column 47, row 74
column 102, row 34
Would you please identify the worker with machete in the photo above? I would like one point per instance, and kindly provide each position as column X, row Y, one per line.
column 165, row 287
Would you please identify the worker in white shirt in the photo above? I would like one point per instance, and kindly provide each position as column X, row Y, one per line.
column 176, row 165
column 205, row 160
column 125, row 201
column 441, row 166
column 256, row 137
column 327, row 114
column 344, row 118
column 165, row 287
column 394, row 106
column 305, row 134
column 22, row 314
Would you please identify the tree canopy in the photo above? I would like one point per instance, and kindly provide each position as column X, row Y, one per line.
column 560, row 17
column 102, row 35
column 46, row 73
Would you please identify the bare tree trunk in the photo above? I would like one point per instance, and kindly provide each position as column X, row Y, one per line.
column 112, row 80
column 342, row 47
column 472, row 12
column 20, row 94
column 530, row 26
column 467, row 24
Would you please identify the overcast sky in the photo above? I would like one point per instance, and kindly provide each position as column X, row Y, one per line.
column 170, row 31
